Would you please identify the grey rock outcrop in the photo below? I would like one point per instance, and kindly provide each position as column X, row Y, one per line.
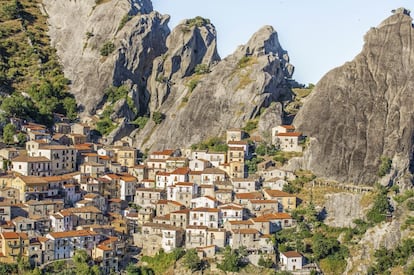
column 363, row 110
column 189, row 45
column 78, row 30
column 228, row 96
column 342, row 209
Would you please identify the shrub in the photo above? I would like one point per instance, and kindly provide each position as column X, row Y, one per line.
column 192, row 84
column 243, row 62
column 410, row 205
column 380, row 208
column 141, row 121
column 250, row 126
column 197, row 21
column 158, row 117
column 124, row 20
column 107, row 48
column 385, row 166
column 201, row 69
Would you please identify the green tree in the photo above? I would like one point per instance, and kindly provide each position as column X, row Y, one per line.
column 323, row 246
column 8, row 133
column 191, row 260
column 12, row 10
column 231, row 261
column 267, row 263
column 201, row 69
column 69, row 103
column 380, row 208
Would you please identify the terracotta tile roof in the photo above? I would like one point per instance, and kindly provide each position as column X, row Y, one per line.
column 277, row 193
column 209, row 186
column 210, row 198
column 214, row 171
column 235, row 148
column 72, row 234
column 30, row 159
column 195, row 173
column 115, row 200
column 90, row 196
column 231, row 207
column 182, row 211
column 290, row 134
column 163, row 174
column 263, row 201
column 291, row 254
column 169, row 201
column 288, row 127
column 163, row 153
column 142, row 189
column 181, row 171
column 104, row 247
column 249, row 196
column 155, row 160
column 14, row 235
column 105, row 157
column 196, row 227
column 83, row 209
column 245, row 231
column 128, row 178
column 245, row 222
column 91, row 154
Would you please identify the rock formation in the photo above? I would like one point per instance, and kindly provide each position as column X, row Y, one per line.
column 363, row 110
column 228, row 94
column 79, row 29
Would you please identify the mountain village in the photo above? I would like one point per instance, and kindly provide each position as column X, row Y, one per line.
column 62, row 193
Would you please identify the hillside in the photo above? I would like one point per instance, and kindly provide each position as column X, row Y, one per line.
column 29, row 67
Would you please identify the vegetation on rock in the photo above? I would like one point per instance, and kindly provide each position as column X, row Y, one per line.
column 29, row 68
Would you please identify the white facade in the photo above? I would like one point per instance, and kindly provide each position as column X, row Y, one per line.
column 242, row 185
column 128, row 189
column 211, row 175
column 205, row 201
column 231, row 212
column 199, row 164
column 31, row 166
column 170, row 239
column 209, row 217
column 63, row 158
column 291, row 260
column 65, row 243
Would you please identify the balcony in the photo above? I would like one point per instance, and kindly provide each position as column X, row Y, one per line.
column 167, row 236
column 17, row 245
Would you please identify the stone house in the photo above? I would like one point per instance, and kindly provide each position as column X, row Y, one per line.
column 286, row 201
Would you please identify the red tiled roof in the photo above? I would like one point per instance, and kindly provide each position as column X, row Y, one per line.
column 277, row 193
column 181, row 171
column 292, row 254
column 291, row 134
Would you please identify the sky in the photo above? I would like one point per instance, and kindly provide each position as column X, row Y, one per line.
column 319, row 35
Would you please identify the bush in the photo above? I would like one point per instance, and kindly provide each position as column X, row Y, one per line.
column 250, row 126
column 192, row 84
column 410, row 205
column 197, row 21
column 107, row 48
column 380, row 208
column 201, row 69
column 266, row 263
column 385, row 166
column 124, row 20
column 141, row 121
column 158, row 117
column 243, row 62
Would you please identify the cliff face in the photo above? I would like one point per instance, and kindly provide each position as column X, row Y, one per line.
column 228, row 94
column 363, row 110
column 179, row 74
column 79, row 29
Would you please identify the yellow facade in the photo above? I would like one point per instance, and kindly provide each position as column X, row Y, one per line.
column 13, row 246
